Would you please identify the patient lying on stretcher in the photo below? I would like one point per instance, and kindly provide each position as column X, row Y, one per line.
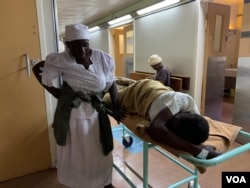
column 174, row 117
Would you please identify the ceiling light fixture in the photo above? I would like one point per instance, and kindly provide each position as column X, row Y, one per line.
column 157, row 6
column 121, row 23
column 120, row 19
column 92, row 29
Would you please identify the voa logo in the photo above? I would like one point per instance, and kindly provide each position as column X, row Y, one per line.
column 236, row 179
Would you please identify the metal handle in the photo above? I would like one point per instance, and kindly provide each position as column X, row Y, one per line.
column 27, row 64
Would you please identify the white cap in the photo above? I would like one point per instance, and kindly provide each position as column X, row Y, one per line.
column 76, row 32
column 154, row 59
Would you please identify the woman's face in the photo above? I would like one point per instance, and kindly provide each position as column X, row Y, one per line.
column 79, row 48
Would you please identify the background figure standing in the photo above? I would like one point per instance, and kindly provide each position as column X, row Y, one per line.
column 83, row 135
column 162, row 72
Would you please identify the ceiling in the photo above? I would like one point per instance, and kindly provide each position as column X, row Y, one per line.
column 95, row 12
column 89, row 11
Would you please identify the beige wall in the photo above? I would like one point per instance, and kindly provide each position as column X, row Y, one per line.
column 244, row 49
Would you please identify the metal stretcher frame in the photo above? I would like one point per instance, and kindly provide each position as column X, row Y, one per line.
column 194, row 173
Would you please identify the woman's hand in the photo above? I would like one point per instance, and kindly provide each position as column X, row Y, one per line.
column 37, row 70
column 118, row 114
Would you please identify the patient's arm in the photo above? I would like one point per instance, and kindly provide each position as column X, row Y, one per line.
column 159, row 132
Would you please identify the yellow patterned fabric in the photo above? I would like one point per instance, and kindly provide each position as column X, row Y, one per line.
column 137, row 97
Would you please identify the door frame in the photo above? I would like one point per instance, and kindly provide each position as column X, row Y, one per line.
column 46, row 11
column 207, row 52
column 115, row 41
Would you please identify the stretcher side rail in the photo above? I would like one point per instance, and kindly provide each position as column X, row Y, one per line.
column 221, row 158
column 146, row 146
column 193, row 160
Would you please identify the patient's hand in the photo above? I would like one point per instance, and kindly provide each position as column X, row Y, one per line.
column 208, row 147
column 213, row 154
column 212, row 151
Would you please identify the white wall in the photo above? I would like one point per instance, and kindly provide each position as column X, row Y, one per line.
column 172, row 35
column 176, row 34
column 100, row 40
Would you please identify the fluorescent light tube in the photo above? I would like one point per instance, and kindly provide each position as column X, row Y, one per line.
column 92, row 29
column 157, row 6
column 121, row 23
column 120, row 19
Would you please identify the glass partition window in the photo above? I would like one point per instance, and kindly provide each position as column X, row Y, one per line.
column 130, row 42
column 218, row 33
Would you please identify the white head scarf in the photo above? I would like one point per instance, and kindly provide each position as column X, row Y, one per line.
column 76, row 32
column 154, row 59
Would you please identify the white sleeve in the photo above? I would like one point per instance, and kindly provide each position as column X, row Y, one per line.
column 108, row 68
column 175, row 101
column 51, row 69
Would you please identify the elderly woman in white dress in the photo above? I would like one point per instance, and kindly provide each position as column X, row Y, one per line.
column 81, row 126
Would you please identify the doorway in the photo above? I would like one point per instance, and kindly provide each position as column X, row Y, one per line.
column 123, row 40
column 226, row 45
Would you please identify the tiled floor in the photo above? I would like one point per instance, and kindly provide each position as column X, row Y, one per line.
column 162, row 172
column 227, row 110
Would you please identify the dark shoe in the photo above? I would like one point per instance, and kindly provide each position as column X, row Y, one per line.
column 109, row 186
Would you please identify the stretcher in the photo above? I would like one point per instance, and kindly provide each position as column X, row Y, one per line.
column 199, row 165
column 221, row 135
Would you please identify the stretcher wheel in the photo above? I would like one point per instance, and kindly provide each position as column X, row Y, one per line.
column 127, row 141
column 191, row 185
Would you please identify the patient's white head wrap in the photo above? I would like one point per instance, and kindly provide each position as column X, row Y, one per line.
column 154, row 59
column 76, row 32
